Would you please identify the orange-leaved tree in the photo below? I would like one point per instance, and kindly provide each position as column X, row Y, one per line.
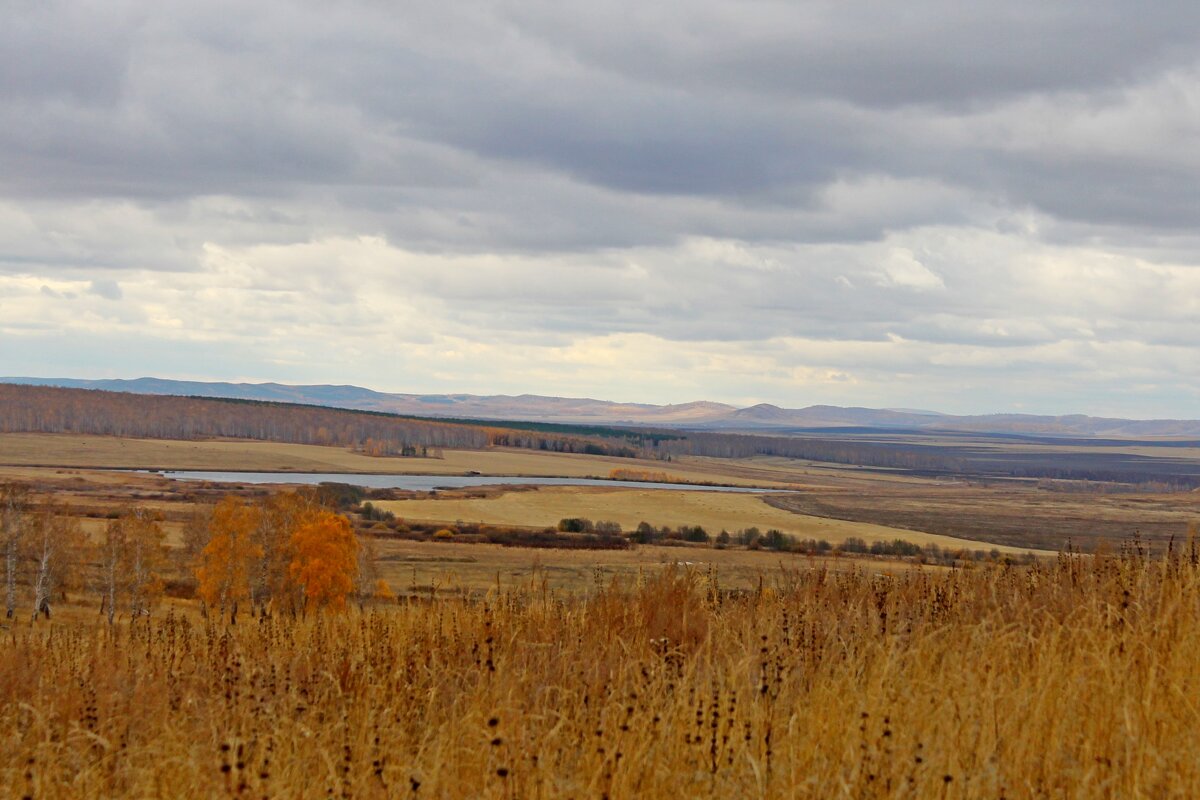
column 324, row 559
column 280, row 516
column 226, row 561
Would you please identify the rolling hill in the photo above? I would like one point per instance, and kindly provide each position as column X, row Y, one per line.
column 700, row 415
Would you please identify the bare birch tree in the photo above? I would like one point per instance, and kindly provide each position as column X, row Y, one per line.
column 196, row 535
column 54, row 543
column 367, row 583
column 14, row 510
column 145, row 553
column 112, row 555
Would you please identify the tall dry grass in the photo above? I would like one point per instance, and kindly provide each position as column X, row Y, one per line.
column 1078, row 678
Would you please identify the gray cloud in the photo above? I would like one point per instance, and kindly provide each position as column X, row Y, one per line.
column 109, row 290
column 756, row 106
column 930, row 52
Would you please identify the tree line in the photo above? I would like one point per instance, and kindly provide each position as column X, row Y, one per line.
column 835, row 451
column 287, row 552
column 41, row 550
column 46, row 552
column 48, row 409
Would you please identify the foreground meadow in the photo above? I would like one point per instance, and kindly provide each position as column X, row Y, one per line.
column 1070, row 678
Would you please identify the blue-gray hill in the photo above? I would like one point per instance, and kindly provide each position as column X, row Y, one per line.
column 701, row 415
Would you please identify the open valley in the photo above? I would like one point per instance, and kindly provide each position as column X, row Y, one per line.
column 195, row 626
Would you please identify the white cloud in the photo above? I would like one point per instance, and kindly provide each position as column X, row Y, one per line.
column 901, row 268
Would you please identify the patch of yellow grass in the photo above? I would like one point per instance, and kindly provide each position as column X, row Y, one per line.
column 712, row 510
column 417, row 566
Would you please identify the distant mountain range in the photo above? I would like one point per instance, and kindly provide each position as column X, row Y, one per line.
column 701, row 415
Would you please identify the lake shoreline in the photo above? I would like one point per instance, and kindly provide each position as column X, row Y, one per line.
column 429, row 482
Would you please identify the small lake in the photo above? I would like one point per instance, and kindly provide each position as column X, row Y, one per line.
column 428, row 483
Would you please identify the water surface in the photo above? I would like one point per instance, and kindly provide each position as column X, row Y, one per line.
column 427, row 483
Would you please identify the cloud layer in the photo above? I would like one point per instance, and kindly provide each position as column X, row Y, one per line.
column 982, row 207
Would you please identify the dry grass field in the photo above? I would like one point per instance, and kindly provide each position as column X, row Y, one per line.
column 99, row 452
column 1153, row 446
column 1069, row 679
column 715, row 511
column 440, row 568
column 834, row 501
column 1016, row 515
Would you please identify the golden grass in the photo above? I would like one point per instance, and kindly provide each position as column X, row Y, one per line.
column 712, row 510
column 448, row 567
column 789, row 472
column 1070, row 679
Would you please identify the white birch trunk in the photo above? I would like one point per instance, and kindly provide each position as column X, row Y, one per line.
column 10, row 574
column 10, row 529
column 137, row 568
column 112, row 589
column 112, row 556
column 43, row 579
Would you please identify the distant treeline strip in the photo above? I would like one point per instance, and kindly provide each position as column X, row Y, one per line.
column 44, row 409
column 570, row 429
column 1178, row 474
column 867, row 454
column 638, row 436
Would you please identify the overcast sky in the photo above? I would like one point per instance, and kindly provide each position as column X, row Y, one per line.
column 969, row 207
